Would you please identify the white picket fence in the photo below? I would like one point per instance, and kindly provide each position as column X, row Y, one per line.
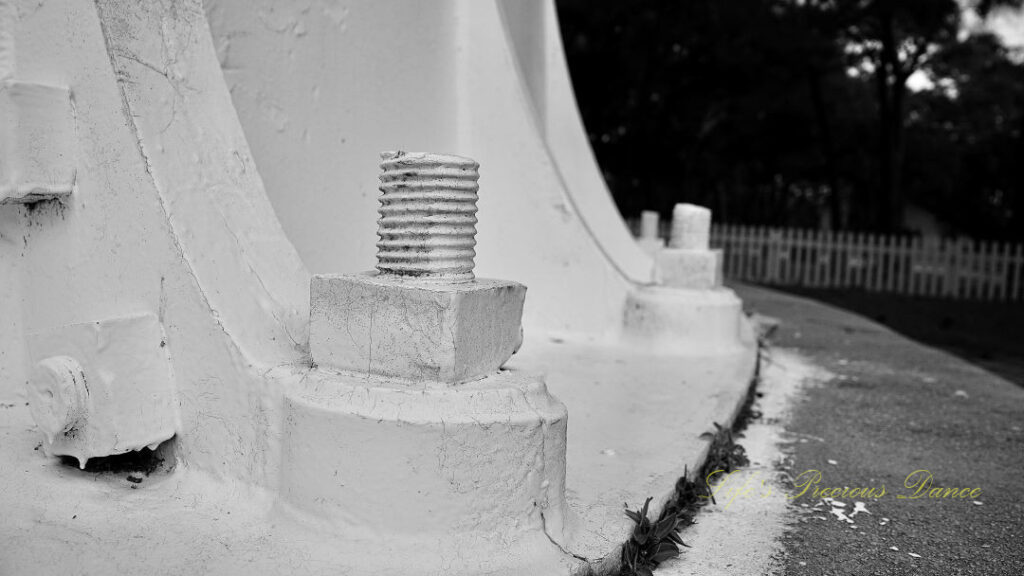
column 944, row 268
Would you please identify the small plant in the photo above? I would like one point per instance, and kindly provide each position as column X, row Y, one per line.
column 723, row 453
column 653, row 542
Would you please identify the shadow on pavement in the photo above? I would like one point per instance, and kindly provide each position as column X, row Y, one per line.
column 989, row 334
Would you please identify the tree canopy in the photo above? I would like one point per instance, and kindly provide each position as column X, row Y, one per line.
column 798, row 112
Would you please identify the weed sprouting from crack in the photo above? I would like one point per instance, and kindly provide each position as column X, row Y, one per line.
column 654, row 541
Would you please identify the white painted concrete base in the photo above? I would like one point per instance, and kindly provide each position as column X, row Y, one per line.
column 682, row 321
column 477, row 468
column 636, row 420
column 60, row 520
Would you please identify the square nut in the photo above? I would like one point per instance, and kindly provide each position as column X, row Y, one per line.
column 412, row 329
column 695, row 269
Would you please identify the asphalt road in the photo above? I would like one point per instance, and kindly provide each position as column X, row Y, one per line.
column 897, row 406
column 988, row 334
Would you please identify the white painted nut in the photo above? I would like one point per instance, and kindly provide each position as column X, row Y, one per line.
column 691, row 227
column 57, row 396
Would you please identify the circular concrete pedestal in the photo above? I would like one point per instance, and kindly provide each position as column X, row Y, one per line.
column 474, row 471
column 685, row 320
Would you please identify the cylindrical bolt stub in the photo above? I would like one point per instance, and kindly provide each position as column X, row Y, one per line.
column 427, row 224
column 691, row 227
column 649, row 222
column 57, row 395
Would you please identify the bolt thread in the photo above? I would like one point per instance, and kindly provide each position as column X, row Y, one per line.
column 427, row 224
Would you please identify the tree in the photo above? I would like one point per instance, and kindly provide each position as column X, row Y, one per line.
column 778, row 111
column 679, row 97
column 967, row 136
column 891, row 40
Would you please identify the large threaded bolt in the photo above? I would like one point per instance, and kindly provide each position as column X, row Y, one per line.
column 691, row 227
column 427, row 225
column 57, row 395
